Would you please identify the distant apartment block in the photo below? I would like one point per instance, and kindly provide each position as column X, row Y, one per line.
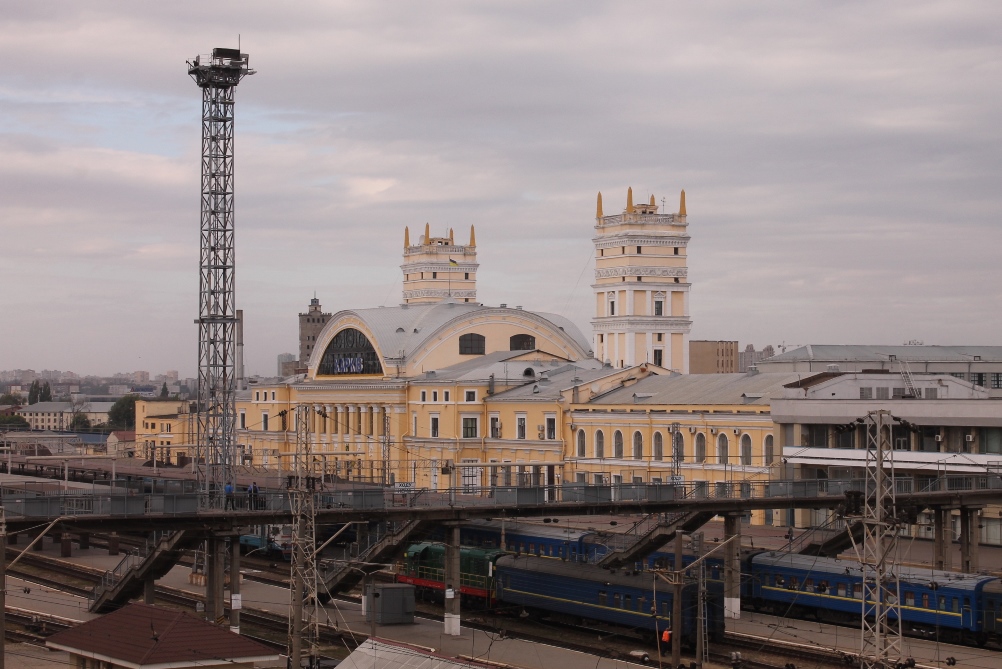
column 713, row 357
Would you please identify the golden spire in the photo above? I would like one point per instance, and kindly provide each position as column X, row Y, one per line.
column 681, row 204
column 598, row 207
column 473, row 236
column 427, row 233
column 653, row 203
column 629, row 200
column 451, row 239
column 407, row 237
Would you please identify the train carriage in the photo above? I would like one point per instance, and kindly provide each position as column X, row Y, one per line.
column 424, row 567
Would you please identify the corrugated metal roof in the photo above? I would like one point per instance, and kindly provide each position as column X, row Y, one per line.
column 874, row 353
column 549, row 387
column 407, row 327
column 752, row 389
column 384, row 654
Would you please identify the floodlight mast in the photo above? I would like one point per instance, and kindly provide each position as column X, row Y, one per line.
column 217, row 75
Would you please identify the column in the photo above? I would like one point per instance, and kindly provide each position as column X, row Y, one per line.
column 235, row 600
column 452, row 583
column 149, row 590
column 113, row 543
column 84, row 540
column 969, row 540
column 363, row 419
column 214, row 557
column 732, row 567
column 942, row 558
column 66, row 545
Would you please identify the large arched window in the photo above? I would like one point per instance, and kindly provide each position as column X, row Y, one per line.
column 679, row 450
column 599, row 444
column 472, row 343
column 617, row 444
column 349, row 352
column 659, row 446
column 700, row 447
column 581, row 443
column 770, row 454
column 638, row 446
column 522, row 342
column 722, row 448
column 746, row 450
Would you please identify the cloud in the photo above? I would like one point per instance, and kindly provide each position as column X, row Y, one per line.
column 841, row 163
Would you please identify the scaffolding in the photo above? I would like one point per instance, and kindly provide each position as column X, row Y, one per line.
column 217, row 75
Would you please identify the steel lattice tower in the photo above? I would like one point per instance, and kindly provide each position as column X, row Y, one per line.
column 304, row 605
column 217, row 75
column 880, row 645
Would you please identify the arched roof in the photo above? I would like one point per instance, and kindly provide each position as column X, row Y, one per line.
column 400, row 333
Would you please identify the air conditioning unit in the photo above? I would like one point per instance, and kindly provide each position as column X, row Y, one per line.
column 540, row 428
column 737, row 431
column 939, row 437
column 713, row 430
column 692, row 430
column 968, row 437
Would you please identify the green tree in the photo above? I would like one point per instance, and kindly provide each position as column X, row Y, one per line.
column 80, row 423
column 11, row 398
column 45, row 395
column 33, row 393
column 122, row 415
column 13, row 421
column 163, row 391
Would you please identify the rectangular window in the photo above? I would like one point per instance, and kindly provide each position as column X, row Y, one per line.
column 639, row 250
column 434, row 275
column 470, row 427
column 931, row 393
column 841, row 589
column 434, row 426
column 495, row 427
column 603, row 598
column 434, row 396
column 424, row 395
column 925, row 600
column 471, row 395
column 617, row 602
column 627, row 602
column 675, row 249
column 883, row 393
column 659, row 357
column 866, row 393
column 996, row 380
column 909, row 599
column 272, row 395
column 520, row 427
column 243, row 420
column 659, row 308
column 257, row 395
column 551, row 427
column 445, row 395
column 264, row 422
column 979, row 379
column 857, row 591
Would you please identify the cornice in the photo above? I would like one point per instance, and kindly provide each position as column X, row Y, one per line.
column 435, row 292
column 640, row 270
column 426, row 266
column 641, row 324
column 640, row 238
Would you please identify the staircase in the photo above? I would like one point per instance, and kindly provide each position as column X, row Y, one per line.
column 650, row 534
column 382, row 548
column 153, row 561
column 828, row 540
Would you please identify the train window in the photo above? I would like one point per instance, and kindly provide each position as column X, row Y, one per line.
column 627, row 602
column 532, row 547
column 942, row 603
column 967, row 602
column 794, row 583
column 809, row 584
column 641, row 602
column 841, row 589
column 956, row 605
column 857, row 591
column 603, row 598
column 521, row 547
column 780, row 582
column 909, row 599
column 665, row 608
column 925, row 600
column 616, row 602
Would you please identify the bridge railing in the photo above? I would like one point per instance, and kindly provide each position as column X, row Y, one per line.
column 132, row 503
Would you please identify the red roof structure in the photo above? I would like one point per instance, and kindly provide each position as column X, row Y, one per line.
column 140, row 635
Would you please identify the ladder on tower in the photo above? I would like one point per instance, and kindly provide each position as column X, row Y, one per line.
column 906, row 374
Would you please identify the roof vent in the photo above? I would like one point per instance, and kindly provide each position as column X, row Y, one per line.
column 415, row 330
column 519, row 308
column 833, row 368
column 429, row 374
column 753, row 369
column 504, row 306
column 400, row 330
column 529, row 371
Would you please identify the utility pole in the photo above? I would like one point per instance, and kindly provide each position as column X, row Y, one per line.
column 676, row 604
column 3, row 586
column 217, row 75
column 304, row 619
column 880, row 643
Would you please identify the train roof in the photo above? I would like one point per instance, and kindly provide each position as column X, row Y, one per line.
column 543, row 531
column 590, row 572
column 823, row 565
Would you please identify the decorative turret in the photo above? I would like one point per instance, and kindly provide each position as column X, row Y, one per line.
column 407, row 237
column 681, row 204
column 641, row 286
column 437, row 268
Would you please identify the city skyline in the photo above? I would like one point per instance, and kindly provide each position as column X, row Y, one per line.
column 840, row 167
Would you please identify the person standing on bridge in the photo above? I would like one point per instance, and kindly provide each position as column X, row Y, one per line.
column 228, row 504
column 252, row 492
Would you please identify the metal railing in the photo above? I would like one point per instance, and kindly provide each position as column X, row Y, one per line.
column 131, row 560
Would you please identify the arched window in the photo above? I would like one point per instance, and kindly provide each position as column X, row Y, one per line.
column 522, row 342
column 679, row 452
column 599, row 444
column 617, row 444
column 770, row 455
column 472, row 343
column 659, row 446
column 746, row 450
column 581, row 443
column 722, row 448
column 349, row 352
column 700, row 447
column 638, row 446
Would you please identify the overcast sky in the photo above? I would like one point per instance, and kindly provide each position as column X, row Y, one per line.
column 841, row 162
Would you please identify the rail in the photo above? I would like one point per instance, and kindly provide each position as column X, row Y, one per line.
column 27, row 504
column 131, row 560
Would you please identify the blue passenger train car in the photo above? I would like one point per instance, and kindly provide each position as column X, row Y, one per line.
column 589, row 593
column 950, row 604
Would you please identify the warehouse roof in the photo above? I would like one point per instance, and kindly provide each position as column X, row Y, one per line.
column 836, row 353
column 751, row 388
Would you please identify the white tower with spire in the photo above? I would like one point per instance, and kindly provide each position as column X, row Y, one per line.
column 437, row 268
column 642, row 286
